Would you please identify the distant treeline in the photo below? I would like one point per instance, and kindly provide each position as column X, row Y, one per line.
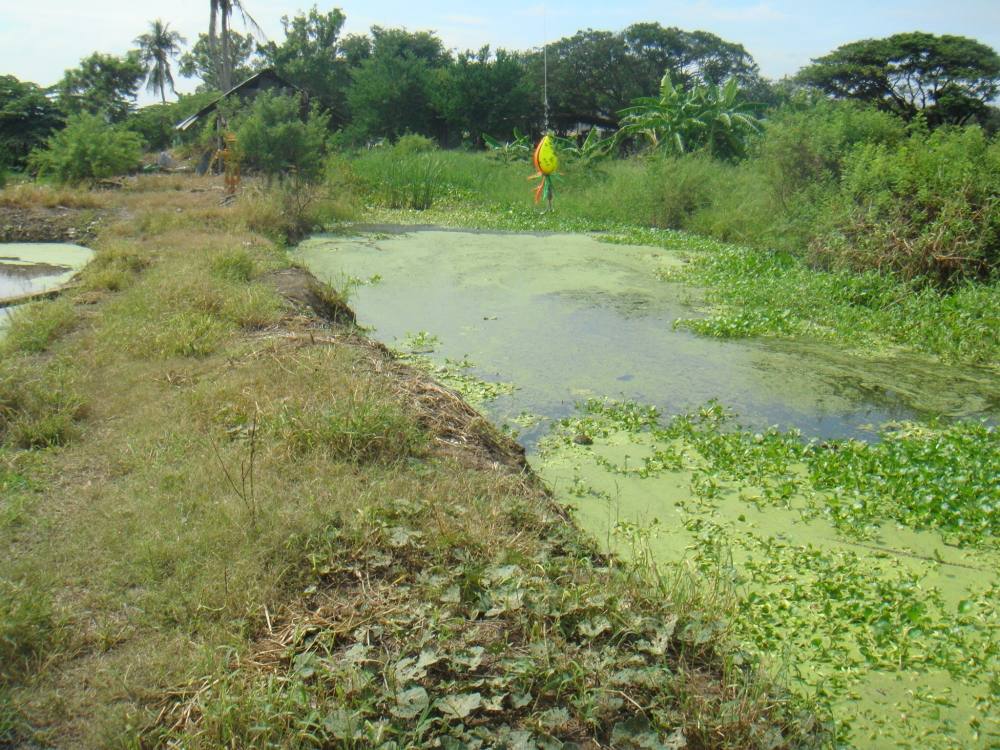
column 390, row 82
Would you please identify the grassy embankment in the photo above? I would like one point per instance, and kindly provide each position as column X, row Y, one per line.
column 229, row 523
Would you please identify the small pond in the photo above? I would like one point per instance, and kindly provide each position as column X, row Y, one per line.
column 567, row 317
column 30, row 267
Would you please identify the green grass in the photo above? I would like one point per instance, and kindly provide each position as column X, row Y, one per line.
column 39, row 401
column 33, row 327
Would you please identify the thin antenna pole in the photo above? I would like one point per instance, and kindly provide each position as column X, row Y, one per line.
column 545, row 67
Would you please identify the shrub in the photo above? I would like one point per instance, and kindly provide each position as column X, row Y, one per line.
column 275, row 140
column 926, row 208
column 804, row 146
column 414, row 144
column 155, row 124
column 288, row 212
column 87, row 149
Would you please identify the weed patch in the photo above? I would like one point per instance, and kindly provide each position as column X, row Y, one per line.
column 39, row 403
column 443, row 641
column 33, row 327
column 28, row 628
column 864, row 566
column 777, row 294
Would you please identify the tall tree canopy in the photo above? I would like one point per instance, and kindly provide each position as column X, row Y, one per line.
column 199, row 63
column 313, row 59
column 391, row 92
column 595, row 74
column 220, row 37
column 156, row 48
column 27, row 118
column 487, row 93
column 102, row 84
column 951, row 79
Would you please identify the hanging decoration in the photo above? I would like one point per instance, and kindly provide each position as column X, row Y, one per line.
column 546, row 163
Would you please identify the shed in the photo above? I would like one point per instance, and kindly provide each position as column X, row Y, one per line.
column 266, row 80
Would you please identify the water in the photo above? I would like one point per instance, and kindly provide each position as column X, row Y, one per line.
column 566, row 317
column 29, row 267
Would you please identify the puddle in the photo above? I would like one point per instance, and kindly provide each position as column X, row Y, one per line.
column 29, row 267
column 565, row 318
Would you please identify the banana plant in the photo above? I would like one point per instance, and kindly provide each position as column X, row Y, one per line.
column 593, row 148
column 679, row 120
column 507, row 151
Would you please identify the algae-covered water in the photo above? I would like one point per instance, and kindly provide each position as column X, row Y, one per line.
column 566, row 317
column 29, row 267
column 895, row 628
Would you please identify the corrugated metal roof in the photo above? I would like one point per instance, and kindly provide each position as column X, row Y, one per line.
column 256, row 81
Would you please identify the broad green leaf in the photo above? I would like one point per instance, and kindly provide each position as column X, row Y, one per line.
column 459, row 706
column 410, row 703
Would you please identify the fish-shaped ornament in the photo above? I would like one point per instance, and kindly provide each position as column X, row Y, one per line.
column 546, row 162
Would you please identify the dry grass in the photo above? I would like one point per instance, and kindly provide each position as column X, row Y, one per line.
column 31, row 194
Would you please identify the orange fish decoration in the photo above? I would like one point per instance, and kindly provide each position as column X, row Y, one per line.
column 546, row 162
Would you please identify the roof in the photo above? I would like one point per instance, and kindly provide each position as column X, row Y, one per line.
column 264, row 79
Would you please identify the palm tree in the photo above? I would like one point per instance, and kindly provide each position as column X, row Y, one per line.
column 223, row 10
column 155, row 50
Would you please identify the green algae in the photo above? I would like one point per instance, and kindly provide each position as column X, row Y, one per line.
column 566, row 317
column 850, row 579
column 891, row 627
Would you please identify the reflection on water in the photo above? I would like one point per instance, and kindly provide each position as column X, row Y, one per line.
column 33, row 267
column 566, row 317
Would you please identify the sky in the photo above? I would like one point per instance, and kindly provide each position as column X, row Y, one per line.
column 41, row 39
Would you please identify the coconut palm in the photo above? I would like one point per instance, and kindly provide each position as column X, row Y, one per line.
column 155, row 50
column 220, row 15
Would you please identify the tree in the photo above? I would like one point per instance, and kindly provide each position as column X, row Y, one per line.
column 87, row 149
column 274, row 139
column 950, row 79
column 27, row 118
column 391, row 91
column 220, row 15
column 679, row 120
column 102, row 84
column 595, row 74
column 688, row 56
column 199, row 63
column 156, row 47
column 486, row 93
column 312, row 58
